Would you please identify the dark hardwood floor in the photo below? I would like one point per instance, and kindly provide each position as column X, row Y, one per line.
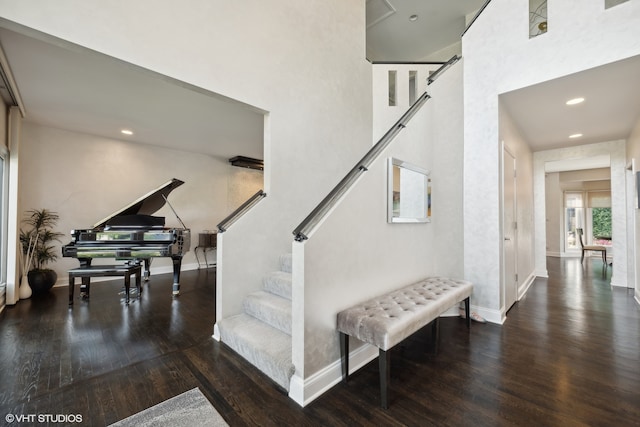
column 569, row 354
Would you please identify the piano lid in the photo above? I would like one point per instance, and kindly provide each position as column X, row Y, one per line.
column 147, row 204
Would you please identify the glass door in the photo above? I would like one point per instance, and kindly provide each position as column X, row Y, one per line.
column 573, row 219
column 591, row 211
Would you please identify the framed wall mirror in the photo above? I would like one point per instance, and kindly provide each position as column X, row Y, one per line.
column 409, row 195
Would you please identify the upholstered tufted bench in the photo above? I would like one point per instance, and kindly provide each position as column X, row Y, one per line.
column 388, row 319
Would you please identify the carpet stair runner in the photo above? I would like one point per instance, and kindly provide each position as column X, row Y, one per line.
column 262, row 333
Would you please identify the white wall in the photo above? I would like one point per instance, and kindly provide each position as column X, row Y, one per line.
column 4, row 112
column 355, row 254
column 553, row 214
column 500, row 57
column 301, row 62
column 4, row 143
column 518, row 147
column 446, row 137
column 85, row 178
column 304, row 63
column 633, row 152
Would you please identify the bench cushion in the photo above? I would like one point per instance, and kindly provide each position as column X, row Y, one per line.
column 388, row 319
column 105, row 270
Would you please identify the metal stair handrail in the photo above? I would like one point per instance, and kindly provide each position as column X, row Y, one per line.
column 303, row 230
column 241, row 210
column 482, row 8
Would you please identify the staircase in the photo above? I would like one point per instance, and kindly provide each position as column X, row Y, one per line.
column 262, row 333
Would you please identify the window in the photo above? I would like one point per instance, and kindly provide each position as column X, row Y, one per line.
column 392, row 88
column 573, row 219
column 599, row 217
column 591, row 211
column 537, row 17
column 413, row 88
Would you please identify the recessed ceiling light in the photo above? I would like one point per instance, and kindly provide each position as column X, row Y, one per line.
column 126, row 132
column 575, row 135
column 413, row 18
column 575, row 101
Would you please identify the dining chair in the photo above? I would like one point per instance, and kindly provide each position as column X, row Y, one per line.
column 595, row 248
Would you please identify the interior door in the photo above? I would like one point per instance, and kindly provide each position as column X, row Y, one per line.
column 509, row 230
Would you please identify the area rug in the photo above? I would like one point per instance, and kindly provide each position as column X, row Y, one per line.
column 187, row 409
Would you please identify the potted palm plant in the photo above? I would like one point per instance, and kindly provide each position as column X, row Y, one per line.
column 38, row 247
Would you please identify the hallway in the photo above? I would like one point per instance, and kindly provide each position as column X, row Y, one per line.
column 568, row 354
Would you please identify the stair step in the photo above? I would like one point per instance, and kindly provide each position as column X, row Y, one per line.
column 279, row 283
column 267, row 348
column 286, row 263
column 272, row 309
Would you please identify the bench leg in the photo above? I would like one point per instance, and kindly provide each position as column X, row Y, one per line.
column 384, row 361
column 139, row 282
column 467, row 312
column 127, row 285
column 435, row 334
column 344, row 356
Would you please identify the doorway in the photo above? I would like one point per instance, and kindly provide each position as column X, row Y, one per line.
column 609, row 156
column 509, row 229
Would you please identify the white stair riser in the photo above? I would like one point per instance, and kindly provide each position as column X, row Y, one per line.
column 262, row 334
column 278, row 283
column 286, row 263
column 269, row 308
column 266, row 348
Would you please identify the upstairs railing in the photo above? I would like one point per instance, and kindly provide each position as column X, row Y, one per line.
column 486, row 3
column 303, row 230
column 242, row 209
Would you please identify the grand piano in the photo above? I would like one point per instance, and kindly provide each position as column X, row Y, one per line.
column 134, row 234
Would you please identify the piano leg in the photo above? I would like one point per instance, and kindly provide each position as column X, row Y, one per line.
column 147, row 271
column 177, row 261
column 86, row 281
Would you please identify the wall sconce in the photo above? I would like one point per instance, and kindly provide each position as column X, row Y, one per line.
column 247, row 162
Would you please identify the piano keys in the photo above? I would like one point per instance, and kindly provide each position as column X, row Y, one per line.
column 134, row 234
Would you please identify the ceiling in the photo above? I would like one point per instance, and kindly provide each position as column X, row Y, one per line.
column 611, row 92
column 393, row 37
column 73, row 88
column 70, row 87
column 609, row 112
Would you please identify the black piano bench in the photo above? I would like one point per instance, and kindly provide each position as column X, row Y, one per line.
column 106, row 270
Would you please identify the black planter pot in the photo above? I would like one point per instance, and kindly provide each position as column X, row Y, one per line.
column 41, row 281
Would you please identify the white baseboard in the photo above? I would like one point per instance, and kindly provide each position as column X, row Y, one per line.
column 541, row 273
column 216, row 332
column 296, row 389
column 618, row 285
column 522, row 291
column 306, row 391
column 490, row 315
column 452, row 312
